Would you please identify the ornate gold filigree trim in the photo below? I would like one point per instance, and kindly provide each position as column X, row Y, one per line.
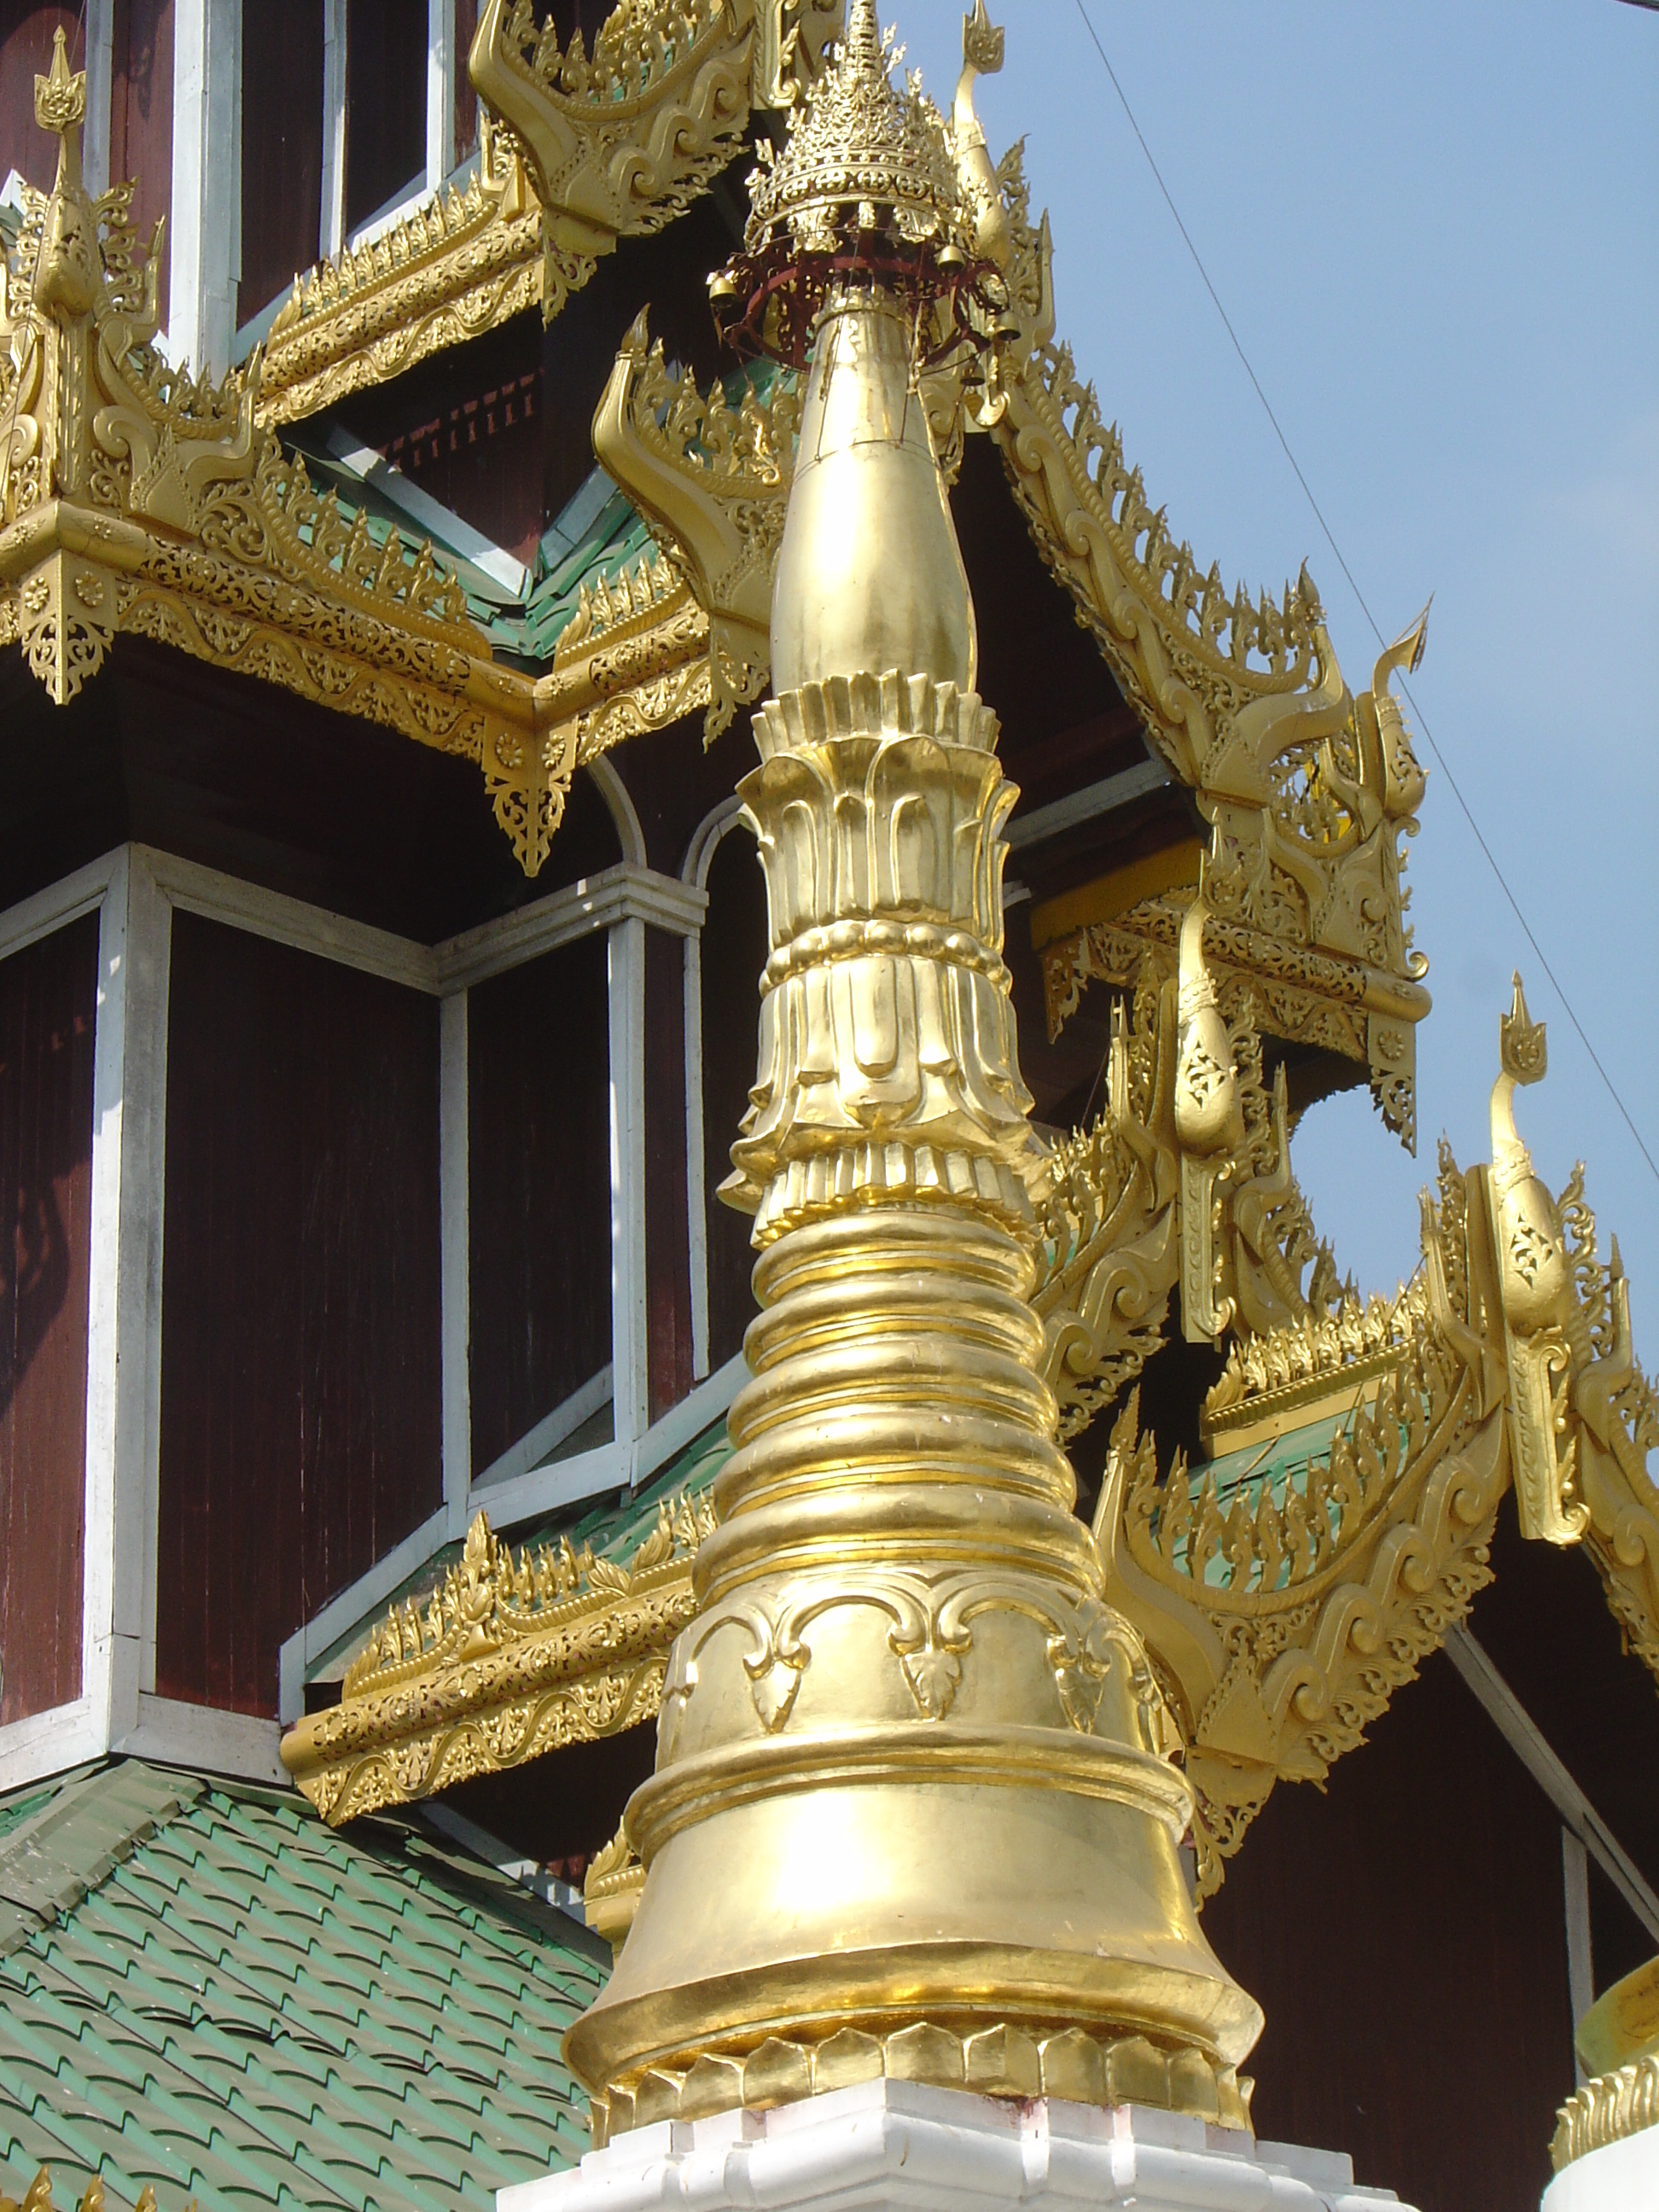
column 462, row 262
column 511, row 1656
column 37, row 2197
column 1298, row 992
column 136, row 500
column 714, row 481
column 634, row 656
column 1184, row 1183
column 1309, row 790
column 621, row 139
column 1606, row 2110
column 1285, row 1611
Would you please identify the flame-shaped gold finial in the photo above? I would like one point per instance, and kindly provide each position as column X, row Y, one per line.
column 60, row 96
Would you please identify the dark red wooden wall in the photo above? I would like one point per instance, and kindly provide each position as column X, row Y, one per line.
column 48, row 997
column 302, row 1432
column 141, row 114
column 538, row 1055
column 1405, row 1934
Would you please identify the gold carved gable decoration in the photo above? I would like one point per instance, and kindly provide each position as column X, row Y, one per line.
column 1287, row 1588
column 712, row 480
column 136, row 500
column 620, row 140
column 1309, row 790
column 577, row 150
column 512, row 1655
column 466, row 260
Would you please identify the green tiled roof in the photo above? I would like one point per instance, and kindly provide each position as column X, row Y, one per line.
column 205, row 1989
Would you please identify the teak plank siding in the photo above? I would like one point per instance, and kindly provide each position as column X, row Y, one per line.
column 538, row 1127
column 284, row 71
column 48, row 998
column 1405, row 1934
column 300, row 1382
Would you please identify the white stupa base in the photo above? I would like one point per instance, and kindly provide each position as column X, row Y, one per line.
column 1620, row 2177
column 899, row 2147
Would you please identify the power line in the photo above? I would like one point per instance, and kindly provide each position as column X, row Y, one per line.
column 1330, row 539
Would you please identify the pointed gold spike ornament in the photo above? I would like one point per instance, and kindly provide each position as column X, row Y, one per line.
column 914, row 1810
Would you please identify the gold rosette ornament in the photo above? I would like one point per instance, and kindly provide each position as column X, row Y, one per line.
column 916, row 1809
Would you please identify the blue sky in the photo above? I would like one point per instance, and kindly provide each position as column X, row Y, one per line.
column 1435, row 230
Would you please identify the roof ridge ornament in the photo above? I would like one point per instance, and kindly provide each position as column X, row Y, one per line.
column 867, row 190
column 138, row 499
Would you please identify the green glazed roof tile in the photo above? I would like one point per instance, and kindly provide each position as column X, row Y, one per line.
column 233, row 2002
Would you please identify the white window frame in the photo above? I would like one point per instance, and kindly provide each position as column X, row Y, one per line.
column 135, row 891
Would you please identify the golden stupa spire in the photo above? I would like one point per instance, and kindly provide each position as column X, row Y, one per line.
column 915, row 1810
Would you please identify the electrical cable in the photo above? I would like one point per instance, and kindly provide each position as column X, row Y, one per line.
column 1330, row 539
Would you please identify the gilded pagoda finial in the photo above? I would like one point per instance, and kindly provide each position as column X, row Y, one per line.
column 902, row 1640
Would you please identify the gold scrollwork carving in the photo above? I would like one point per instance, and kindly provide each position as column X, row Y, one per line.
column 1308, row 790
column 1184, row 1181
column 1285, row 1608
column 713, row 481
column 510, row 1657
column 462, row 262
column 137, row 499
column 622, row 139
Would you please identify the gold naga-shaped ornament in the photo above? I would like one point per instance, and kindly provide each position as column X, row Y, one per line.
column 1536, row 1292
column 915, row 1810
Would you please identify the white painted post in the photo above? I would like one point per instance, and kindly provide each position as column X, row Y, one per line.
column 442, row 62
column 454, row 1185
column 206, row 195
column 101, row 82
column 631, row 1402
column 696, row 1197
column 334, row 96
column 123, row 1351
column 699, row 858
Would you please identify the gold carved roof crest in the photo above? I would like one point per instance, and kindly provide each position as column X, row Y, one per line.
column 512, row 1655
column 137, row 500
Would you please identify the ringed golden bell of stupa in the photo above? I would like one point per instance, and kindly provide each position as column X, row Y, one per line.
column 915, row 1809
